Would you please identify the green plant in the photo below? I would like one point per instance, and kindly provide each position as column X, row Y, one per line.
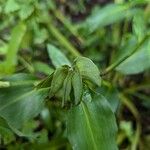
column 65, row 80
column 90, row 122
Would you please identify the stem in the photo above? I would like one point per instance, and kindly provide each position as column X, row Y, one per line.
column 117, row 63
column 26, row 64
column 62, row 39
column 67, row 24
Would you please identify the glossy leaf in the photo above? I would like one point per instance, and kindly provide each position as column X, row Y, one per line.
column 57, row 57
column 88, row 70
column 91, row 125
column 77, row 86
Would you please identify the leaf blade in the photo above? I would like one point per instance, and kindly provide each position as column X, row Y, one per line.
column 88, row 70
column 57, row 57
column 91, row 125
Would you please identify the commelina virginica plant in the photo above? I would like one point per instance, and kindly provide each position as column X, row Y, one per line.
column 90, row 122
column 51, row 97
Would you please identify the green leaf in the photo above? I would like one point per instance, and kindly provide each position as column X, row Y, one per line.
column 91, row 125
column 138, row 62
column 11, row 6
column 57, row 57
column 21, row 102
column 67, row 88
column 139, row 26
column 5, row 132
column 58, row 79
column 127, row 47
column 107, row 15
column 43, row 68
column 77, row 86
column 13, row 47
column 45, row 82
column 111, row 94
column 88, row 70
column 25, row 11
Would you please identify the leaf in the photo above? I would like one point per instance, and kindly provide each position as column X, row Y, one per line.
column 91, row 125
column 13, row 47
column 43, row 68
column 127, row 47
column 77, row 86
column 67, row 88
column 58, row 79
column 138, row 62
column 45, row 82
column 57, row 57
column 5, row 132
column 111, row 94
column 25, row 11
column 11, row 6
column 20, row 102
column 88, row 70
column 109, row 14
column 139, row 26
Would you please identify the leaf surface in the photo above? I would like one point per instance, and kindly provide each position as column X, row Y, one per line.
column 58, row 79
column 88, row 70
column 138, row 62
column 20, row 102
column 77, row 86
column 67, row 88
column 57, row 57
column 91, row 125
column 108, row 15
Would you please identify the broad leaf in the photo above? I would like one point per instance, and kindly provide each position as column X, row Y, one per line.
column 88, row 70
column 112, row 95
column 91, row 125
column 20, row 102
column 77, row 86
column 57, row 57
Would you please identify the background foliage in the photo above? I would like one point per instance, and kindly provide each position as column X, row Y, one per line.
column 38, row 36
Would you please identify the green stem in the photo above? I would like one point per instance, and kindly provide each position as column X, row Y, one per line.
column 117, row 63
column 67, row 24
column 62, row 39
column 26, row 64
